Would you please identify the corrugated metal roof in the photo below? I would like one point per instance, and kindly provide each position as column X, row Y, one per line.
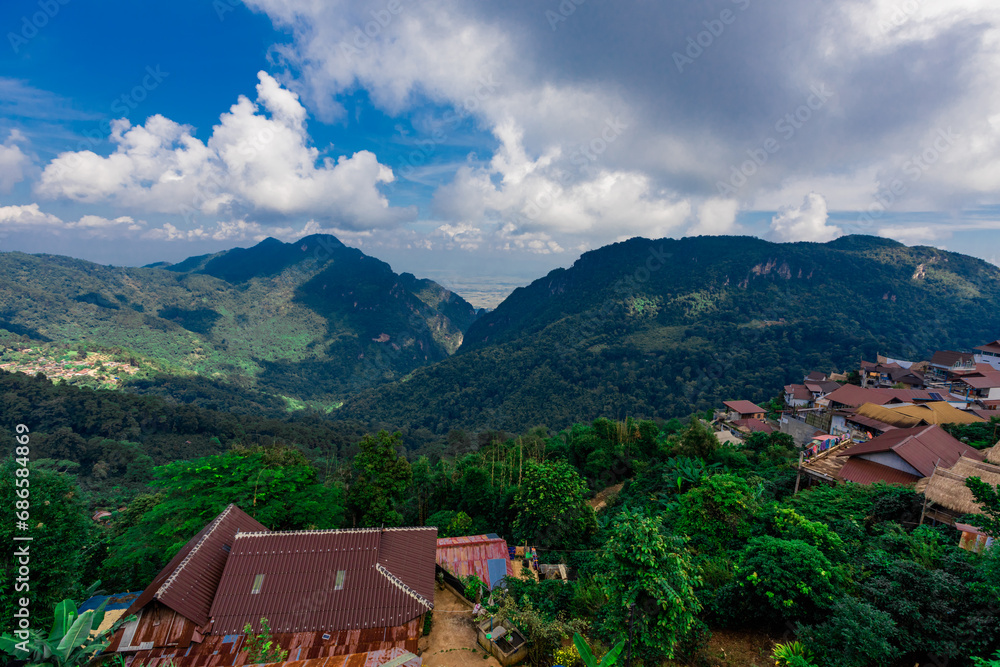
column 471, row 554
column 923, row 447
column 388, row 580
column 861, row 471
column 188, row 583
column 744, row 407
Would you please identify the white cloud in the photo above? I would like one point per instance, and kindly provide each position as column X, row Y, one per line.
column 13, row 162
column 716, row 217
column 804, row 223
column 253, row 162
column 26, row 217
column 30, row 217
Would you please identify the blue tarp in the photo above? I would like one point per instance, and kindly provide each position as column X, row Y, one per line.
column 116, row 601
column 498, row 570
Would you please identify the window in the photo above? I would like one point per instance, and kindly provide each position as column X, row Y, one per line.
column 258, row 581
column 339, row 585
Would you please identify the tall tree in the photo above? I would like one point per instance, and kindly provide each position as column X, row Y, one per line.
column 989, row 498
column 381, row 479
column 641, row 567
column 552, row 510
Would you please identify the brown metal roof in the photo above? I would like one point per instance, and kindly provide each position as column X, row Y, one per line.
column 744, row 407
column 861, row 471
column 188, row 583
column 799, row 392
column 923, row 447
column 389, row 580
column 949, row 358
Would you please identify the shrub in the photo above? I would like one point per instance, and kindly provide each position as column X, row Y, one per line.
column 855, row 634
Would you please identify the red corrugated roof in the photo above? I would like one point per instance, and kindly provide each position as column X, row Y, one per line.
column 923, row 447
column 855, row 396
column 868, row 422
column 861, row 471
column 744, row 407
column 467, row 555
column 389, row 580
column 799, row 392
column 189, row 581
column 754, row 425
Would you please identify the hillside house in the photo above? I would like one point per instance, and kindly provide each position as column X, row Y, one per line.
column 798, row 396
column 816, row 376
column 325, row 593
column 744, row 410
column 947, row 498
column 889, row 374
column 945, row 363
column 989, row 354
column 486, row 556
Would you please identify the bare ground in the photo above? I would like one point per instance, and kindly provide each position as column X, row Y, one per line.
column 452, row 641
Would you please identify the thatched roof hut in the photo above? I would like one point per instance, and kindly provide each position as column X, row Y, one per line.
column 993, row 454
column 946, row 487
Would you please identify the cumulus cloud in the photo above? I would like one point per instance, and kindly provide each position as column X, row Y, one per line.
column 804, row 223
column 29, row 217
column 13, row 162
column 898, row 71
column 716, row 217
column 258, row 160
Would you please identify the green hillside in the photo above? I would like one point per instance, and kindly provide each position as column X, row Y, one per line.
column 659, row 328
column 308, row 321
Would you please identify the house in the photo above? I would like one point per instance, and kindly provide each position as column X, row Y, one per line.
column 947, row 498
column 798, row 396
column 908, row 416
column 325, row 593
column 903, row 456
column 816, row 376
column 981, row 385
column 486, row 556
column 989, row 354
column 853, row 396
column 945, row 363
column 744, row 410
column 890, row 374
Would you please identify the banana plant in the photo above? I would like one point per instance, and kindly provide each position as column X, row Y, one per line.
column 69, row 643
column 610, row 658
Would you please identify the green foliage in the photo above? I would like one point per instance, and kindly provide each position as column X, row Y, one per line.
column 70, row 643
column 785, row 579
column 261, row 648
column 697, row 441
column 984, row 662
column 551, row 506
column 588, row 658
column 641, row 566
column 790, row 525
column 980, row 435
column 854, row 634
column 792, row 654
column 380, row 481
column 59, row 527
column 471, row 586
column 719, row 510
column 988, row 498
column 275, row 485
column 543, row 631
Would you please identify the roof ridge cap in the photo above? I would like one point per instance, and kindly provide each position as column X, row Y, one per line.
column 398, row 583
column 211, row 529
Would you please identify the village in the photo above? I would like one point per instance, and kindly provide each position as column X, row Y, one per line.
column 404, row 597
column 96, row 369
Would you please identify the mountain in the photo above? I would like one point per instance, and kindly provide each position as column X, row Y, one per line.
column 308, row 321
column 660, row 328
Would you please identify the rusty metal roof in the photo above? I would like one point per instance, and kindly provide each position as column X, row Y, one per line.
column 188, row 583
column 744, row 407
column 923, row 447
column 463, row 556
column 388, row 580
column 862, row 471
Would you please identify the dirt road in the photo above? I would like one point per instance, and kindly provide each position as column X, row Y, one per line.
column 452, row 641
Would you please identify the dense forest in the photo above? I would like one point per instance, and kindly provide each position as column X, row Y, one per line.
column 657, row 329
column 701, row 536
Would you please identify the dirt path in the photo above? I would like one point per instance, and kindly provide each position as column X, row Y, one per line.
column 452, row 641
column 601, row 500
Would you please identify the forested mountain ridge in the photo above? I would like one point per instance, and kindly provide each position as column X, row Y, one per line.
column 660, row 328
column 310, row 320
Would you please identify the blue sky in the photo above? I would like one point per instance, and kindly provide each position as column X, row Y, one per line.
column 494, row 141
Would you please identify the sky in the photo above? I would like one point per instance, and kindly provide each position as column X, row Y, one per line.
column 492, row 141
